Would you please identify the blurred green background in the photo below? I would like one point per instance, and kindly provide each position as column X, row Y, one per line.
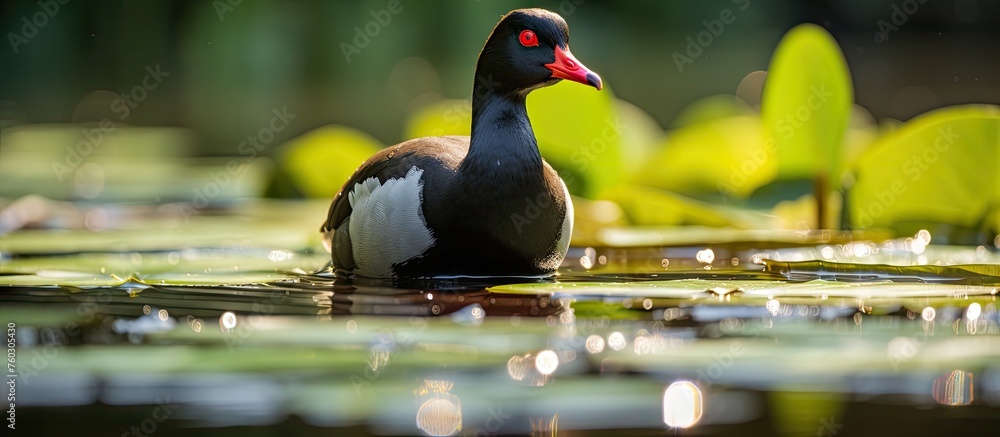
column 228, row 71
column 196, row 91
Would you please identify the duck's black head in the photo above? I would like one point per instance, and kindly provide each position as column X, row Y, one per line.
column 528, row 49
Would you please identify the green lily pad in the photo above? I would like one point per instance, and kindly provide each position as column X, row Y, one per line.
column 814, row 291
column 60, row 278
column 979, row 273
column 181, row 278
column 674, row 289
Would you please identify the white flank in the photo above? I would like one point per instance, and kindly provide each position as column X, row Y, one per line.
column 567, row 226
column 387, row 223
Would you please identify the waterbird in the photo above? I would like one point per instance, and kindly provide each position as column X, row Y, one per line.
column 481, row 205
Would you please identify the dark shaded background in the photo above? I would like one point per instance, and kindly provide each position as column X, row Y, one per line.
column 228, row 72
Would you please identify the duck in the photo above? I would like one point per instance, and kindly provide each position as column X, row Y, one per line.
column 484, row 205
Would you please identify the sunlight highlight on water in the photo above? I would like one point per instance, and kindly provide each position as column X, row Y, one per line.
column 227, row 321
column 594, row 344
column 682, row 404
column 440, row 414
column 773, row 306
column 616, row 341
column 954, row 388
column 546, row 362
column 928, row 314
column 974, row 311
column 706, row 256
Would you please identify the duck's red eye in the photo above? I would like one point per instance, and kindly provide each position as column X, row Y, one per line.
column 528, row 38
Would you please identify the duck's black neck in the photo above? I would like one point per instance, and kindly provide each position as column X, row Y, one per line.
column 501, row 131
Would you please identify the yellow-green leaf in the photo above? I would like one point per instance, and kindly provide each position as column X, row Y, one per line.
column 939, row 168
column 579, row 133
column 445, row 117
column 806, row 104
column 722, row 155
column 321, row 161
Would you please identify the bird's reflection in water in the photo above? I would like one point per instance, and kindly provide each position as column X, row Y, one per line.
column 438, row 296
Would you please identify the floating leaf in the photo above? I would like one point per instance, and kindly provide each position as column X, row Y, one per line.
column 61, row 278
column 678, row 289
column 814, row 292
column 802, row 270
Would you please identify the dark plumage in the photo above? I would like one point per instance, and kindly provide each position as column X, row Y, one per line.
column 488, row 203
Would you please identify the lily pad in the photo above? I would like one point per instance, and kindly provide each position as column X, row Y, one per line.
column 977, row 273
column 60, row 278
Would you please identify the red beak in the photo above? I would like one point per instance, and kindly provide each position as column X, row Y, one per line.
column 567, row 67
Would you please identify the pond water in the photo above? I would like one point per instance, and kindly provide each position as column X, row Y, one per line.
column 231, row 323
